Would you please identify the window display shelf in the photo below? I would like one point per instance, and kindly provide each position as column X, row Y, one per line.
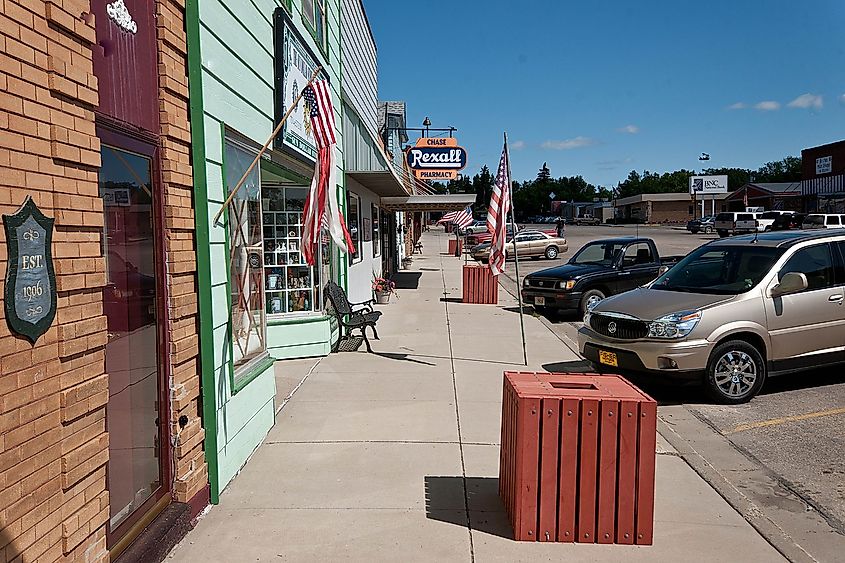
column 288, row 281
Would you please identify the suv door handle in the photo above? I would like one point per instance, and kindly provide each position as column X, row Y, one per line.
column 837, row 297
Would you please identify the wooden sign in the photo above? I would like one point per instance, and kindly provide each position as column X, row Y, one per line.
column 30, row 295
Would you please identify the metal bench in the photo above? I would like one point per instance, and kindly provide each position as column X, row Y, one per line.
column 351, row 316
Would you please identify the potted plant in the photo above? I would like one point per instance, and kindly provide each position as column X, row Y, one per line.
column 383, row 288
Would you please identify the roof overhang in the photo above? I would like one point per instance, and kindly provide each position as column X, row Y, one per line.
column 382, row 183
column 434, row 202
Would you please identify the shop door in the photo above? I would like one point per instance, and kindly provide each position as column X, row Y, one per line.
column 388, row 242
column 130, row 304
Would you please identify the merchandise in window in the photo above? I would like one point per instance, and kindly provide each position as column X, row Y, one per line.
column 245, row 255
column 376, row 231
column 291, row 285
column 353, row 222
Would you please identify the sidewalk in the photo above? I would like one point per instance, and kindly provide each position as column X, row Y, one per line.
column 394, row 456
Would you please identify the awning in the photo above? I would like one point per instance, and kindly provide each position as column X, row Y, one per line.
column 382, row 183
column 434, row 202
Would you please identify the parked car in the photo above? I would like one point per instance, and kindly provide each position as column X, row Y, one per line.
column 529, row 243
column 599, row 269
column 788, row 221
column 586, row 220
column 767, row 219
column 823, row 221
column 704, row 224
column 728, row 315
column 746, row 223
column 484, row 236
column 476, row 227
column 735, row 222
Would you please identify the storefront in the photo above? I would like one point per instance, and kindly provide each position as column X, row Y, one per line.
column 258, row 300
column 823, row 178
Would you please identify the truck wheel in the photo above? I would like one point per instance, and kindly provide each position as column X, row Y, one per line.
column 736, row 372
column 590, row 296
column 708, row 230
column 551, row 252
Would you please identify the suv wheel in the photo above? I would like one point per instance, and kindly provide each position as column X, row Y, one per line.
column 735, row 373
column 708, row 230
column 590, row 296
column 551, row 252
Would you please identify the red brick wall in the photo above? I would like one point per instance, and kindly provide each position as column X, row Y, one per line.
column 53, row 444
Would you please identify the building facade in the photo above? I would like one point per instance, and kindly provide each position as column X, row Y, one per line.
column 101, row 430
column 663, row 208
column 823, row 178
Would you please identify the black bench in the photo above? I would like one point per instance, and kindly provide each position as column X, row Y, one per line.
column 351, row 316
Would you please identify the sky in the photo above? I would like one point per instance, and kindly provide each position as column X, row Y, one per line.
column 603, row 88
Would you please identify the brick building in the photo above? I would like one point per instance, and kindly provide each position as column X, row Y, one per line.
column 100, row 419
column 823, row 178
column 663, row 208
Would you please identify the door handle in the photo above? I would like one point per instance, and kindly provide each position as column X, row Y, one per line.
column 835, row 298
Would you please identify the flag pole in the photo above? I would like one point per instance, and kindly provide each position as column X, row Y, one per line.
column 515, row 253
column 266, row 145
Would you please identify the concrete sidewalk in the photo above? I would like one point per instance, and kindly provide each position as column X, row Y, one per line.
column 394, row 456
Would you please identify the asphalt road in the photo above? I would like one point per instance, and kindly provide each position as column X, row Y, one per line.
column 794, row 428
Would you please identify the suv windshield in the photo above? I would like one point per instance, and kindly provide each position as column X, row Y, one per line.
column 814, row 220
column 770, row 215
column 719, row 270
column 601, row 253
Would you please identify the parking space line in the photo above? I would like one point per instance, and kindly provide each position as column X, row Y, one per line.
column 784, row 419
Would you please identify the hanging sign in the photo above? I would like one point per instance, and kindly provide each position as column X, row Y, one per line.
column 436, row 158
column 30, row 293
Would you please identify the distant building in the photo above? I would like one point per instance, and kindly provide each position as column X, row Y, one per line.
column 781, row 196
column 662, row 208
column 823, row 178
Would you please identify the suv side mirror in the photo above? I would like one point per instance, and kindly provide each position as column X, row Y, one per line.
column 792, row 282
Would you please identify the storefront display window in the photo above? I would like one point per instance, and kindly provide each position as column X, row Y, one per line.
column 353, row 220
column 291, row 285
column 245, row 256
column 376, row 231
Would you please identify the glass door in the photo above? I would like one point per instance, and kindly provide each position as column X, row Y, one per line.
column 132, row 359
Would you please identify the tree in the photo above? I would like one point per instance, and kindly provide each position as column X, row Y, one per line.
column 544, row 174
column 482, row 184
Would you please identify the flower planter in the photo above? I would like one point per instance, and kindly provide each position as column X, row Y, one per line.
column 382, row 297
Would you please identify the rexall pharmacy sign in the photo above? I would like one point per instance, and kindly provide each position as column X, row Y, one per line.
column 436, row 158
column 707, row 185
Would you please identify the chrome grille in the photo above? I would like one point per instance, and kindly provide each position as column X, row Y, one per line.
column 541, row 283
column 617, row 327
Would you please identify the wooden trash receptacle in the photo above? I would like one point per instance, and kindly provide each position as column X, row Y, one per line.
column 456, row 246
column 480, row 285
column 577, row 458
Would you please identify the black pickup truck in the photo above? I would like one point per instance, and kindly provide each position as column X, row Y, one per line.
column 600, row 269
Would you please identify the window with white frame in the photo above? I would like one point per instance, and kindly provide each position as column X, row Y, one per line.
column 245, row 255
column 376, row 231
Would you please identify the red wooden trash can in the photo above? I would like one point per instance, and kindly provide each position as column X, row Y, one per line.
column 480, row 285
column 456, row 246
column 577, row 458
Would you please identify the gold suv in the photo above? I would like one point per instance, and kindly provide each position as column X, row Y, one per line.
column 731, row 313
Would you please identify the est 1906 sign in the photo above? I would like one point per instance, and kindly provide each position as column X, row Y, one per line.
column 30, row 295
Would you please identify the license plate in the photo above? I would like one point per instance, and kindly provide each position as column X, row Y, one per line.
column 540, row 301
column 608, row 358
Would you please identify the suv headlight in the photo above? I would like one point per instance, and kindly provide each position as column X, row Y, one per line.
column 567, row 285
column 676, row 325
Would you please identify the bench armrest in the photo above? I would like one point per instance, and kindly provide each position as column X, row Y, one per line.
column 364, row 305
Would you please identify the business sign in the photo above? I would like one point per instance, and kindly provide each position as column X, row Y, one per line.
column 293, row 69
column 436, row 158
column 30, row 293
column 708, row 185
column 824, row 165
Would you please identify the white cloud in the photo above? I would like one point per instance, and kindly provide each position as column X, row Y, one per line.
column 517, row 145
column 738, row 105
column 632, row 129
column 768, row 106
column 568, row 144
column 842, row 99
column 806, row 101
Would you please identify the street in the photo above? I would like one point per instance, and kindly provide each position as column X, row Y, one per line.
column 771, row 429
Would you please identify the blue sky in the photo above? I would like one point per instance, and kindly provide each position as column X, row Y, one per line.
column 601, row 88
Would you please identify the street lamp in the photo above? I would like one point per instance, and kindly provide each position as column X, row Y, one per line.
column 426, row 123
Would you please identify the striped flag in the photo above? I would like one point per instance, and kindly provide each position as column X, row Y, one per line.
column 448, row 217
column 321, row 206
column 464, row 218
column 497, row 214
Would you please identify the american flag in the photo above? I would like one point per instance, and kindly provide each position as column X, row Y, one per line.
column 321, row 206
column 497, row 214
column 461, row 218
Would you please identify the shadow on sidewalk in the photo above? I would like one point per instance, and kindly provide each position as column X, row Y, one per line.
column 444, row 496
column 451, row 300
column 407, row 280
column 578, row 366
column 402, row 357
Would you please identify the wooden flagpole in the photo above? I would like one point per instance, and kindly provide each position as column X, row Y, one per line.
column 266, row 145
column 515, row 253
